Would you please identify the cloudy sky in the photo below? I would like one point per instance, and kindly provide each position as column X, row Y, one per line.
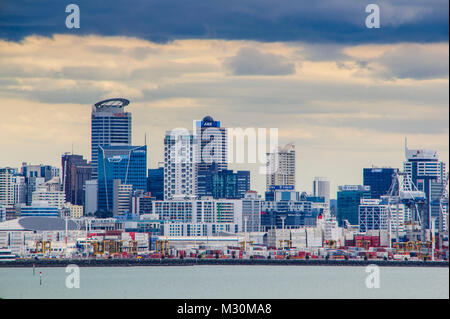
column 347, row 96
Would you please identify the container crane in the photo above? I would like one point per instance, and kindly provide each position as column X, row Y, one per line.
column 403, row 191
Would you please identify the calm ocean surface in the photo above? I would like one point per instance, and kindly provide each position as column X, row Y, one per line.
column 226, row 282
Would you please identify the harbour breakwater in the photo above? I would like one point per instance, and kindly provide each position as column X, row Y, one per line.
column 133, row 262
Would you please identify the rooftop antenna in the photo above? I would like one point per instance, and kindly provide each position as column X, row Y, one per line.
column 145, row 139
column 72, row 148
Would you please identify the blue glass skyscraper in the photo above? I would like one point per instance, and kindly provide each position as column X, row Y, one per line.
column 125, row 163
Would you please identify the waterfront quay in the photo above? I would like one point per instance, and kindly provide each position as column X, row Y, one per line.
column 132, row 262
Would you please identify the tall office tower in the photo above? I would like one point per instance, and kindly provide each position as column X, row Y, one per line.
column 379, row 180
column 75, row 172
column 212, row 157
column 20, row 189
column 281, row 167
column 180, row 173
column 110, row 125
column 155, row 183
column 125, row 163
column 428, row 175
column 7, row 185
column 348, row 200
column 321, row 188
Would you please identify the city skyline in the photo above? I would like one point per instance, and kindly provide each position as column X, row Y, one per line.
column 346, row 99
column 253, row 168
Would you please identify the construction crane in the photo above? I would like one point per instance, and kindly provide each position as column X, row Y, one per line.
column 403, row 191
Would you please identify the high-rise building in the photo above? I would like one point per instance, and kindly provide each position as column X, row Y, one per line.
column 348, row 200
column 20, row 189
column 51, row 193
column 281, row 167
column 180, row 171
column 321, row 188
column 110, row 125
column 75, row 172
column 125, row 163
column 212, row 148
column 7, row 185
column 428, row 174
column 380, row 180
column 155, row 182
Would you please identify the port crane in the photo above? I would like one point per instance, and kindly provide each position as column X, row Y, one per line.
column 403, row 191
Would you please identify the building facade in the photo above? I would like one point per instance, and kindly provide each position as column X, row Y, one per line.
column 110, row 125
column 380, row 180
column 348, row 200
column 7, row 185
column 212, row 156
column 180, row 164
column 155, row 183
column 128, row 164
column 280, row 167
column 428, row 175
column 321, row 188
column 75, row 172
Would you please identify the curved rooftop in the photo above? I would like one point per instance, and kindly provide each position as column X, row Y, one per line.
column 112, row 103
column 35, row 223
column 208, row 118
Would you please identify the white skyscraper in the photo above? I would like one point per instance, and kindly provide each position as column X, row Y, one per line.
column 281, row 167
column 7, row 186
column 180, row 159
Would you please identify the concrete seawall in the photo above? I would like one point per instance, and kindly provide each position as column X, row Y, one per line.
column 199, row 262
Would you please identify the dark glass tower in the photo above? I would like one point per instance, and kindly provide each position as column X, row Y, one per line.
column 212, row 140
column 110, row 125
column 379, row 180
column 155, row 183
column 75, row 172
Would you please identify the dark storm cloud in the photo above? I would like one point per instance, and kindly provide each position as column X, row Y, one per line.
column 262, row 20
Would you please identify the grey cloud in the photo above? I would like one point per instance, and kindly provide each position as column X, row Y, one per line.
column 415, row 62
column 250, row 61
